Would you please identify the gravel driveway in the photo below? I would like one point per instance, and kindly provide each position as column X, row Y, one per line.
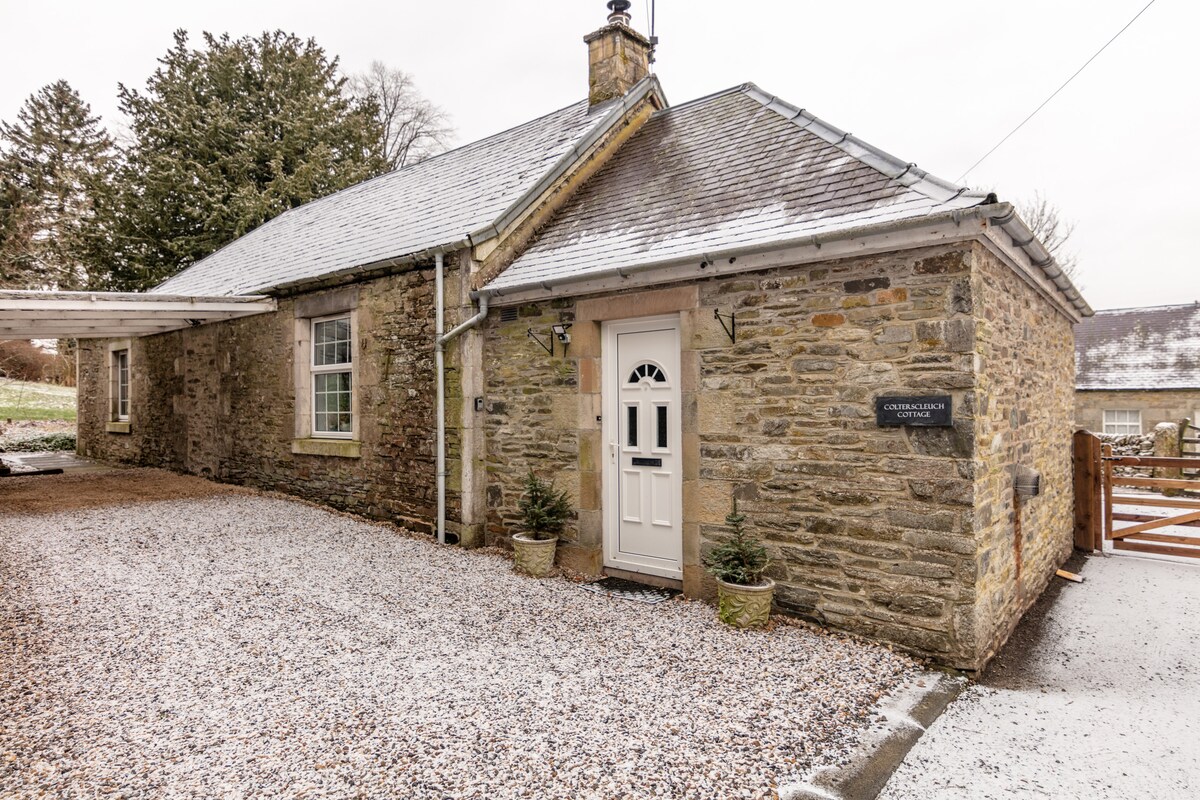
column 248, row 646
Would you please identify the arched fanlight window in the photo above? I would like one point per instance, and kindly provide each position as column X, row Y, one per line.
column 647, row 372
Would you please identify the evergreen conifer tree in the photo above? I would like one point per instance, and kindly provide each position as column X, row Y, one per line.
column 226, row 137
column 54, row 160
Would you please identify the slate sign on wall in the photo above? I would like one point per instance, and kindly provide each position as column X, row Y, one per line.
column 933, row 411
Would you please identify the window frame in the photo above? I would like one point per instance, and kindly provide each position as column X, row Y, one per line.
column 348, row 368
column 120, row 394
column 1118, row 423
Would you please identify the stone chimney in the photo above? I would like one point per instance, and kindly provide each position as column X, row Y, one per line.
column 618, row 56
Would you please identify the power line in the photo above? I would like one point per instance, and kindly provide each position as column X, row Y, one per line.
column 1056, row 91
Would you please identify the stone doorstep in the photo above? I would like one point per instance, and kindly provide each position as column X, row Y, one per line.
column 908, row 712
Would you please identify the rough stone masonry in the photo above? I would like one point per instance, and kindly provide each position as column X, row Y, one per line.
column 907, row 534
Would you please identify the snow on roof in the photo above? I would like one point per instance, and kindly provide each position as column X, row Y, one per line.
column 435, row 203
column 738, row 168
column 1156, row 347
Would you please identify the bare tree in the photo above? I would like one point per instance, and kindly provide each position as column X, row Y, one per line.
column 1046, row 222
column 413, row 128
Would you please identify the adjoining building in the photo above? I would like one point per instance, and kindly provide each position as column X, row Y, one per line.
column 1137, row 368
column 664, row 308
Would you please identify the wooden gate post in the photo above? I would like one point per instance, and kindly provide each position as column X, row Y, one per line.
column 1086, row 453
column 1106, row 452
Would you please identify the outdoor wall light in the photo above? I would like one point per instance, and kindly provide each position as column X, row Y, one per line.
column 556, row 332
column 1027, row 482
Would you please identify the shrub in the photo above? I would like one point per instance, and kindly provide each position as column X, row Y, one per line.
column 24, row 361
column 544, row 510
column 741, row 560
column 44, row 443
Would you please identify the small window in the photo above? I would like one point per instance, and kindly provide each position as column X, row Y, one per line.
column 631, row 430
column 647, row 372
column 332, row 378
column 660, row 429
column 119, row 392
column 1122, row 422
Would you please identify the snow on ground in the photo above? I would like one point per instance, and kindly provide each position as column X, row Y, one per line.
column 1095, row 697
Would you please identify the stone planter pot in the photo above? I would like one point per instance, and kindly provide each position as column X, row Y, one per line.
column 745, row 606
column 534, row 556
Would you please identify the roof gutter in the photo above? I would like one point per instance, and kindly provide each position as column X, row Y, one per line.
column 1006, row 219
column 718, row 262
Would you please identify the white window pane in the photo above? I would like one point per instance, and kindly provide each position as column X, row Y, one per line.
column 1123, row 422
column 120, row 384
column 332, row 402
column 331, row 342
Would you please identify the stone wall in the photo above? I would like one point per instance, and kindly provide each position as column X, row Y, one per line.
column 1025, row 388
column 531, row 421
column 870, row 528
column 1141, row 445
column 219, row 401
column 155, row 438
column 1156, row 406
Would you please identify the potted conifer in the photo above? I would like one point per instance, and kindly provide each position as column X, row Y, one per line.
column 744, row 594
column 544, row 512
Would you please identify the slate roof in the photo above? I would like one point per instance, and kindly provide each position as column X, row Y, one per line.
column 432, row 204
column 738, row 168
column 1157, row 347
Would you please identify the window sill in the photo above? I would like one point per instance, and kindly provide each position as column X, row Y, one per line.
column 338, row 448
column 118, row 427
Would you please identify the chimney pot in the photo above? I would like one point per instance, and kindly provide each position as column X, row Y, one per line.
column 619, row 12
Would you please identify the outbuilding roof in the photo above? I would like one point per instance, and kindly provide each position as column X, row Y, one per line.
column 438, row 203
column 1157, row 347
column 108, row 315
column 738, row 168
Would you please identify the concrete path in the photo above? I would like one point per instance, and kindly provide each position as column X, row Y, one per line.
column 1097, row 695
column 64, row 460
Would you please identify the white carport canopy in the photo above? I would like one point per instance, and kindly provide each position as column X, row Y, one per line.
column 109, row 315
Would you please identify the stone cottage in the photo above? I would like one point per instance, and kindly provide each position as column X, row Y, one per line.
column 664, row 307
column 1138, row 367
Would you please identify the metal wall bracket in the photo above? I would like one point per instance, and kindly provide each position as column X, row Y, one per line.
column 731, row 328
column 548, row 345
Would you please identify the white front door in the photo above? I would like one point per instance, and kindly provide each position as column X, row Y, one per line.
column 644, row 476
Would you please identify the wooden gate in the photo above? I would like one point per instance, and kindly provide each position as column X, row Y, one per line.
column 1189, row 445
column 1100, row 504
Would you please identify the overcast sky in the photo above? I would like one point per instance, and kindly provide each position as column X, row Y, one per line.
column 937, row 83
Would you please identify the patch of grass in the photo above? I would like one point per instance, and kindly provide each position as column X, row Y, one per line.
column 20, row 400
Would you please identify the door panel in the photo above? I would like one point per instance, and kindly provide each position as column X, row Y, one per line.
column 631, row 495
